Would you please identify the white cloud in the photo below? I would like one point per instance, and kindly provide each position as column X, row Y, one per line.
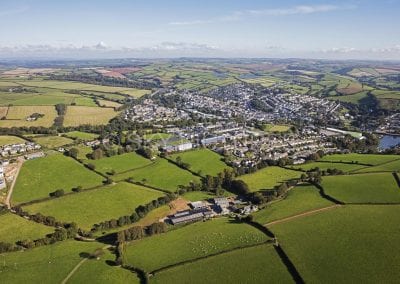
column 239, row 15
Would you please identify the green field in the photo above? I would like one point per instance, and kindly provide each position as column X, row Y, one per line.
column 386, row 167
column 276, row 128
column 203, row 161
column 157, row 136
column 7, row 139
column 260, row 264
column 46, row 264
column 197, row 195
column 323, row 166
column 190, row 242
column 268, row 177
column 101, row 271
column 80, row 115
column 51, row 142
column 83, row 151
column 363, row 188
column 41, row 176
column 17, row 115
column 15, row 228
column 161, row 174
column 120, row 163
column 81, row 135
column 90, row 207
column 368, row 159
column 300, row 199
column 352, row 244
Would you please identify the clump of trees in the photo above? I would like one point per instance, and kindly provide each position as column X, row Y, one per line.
column 139, row 232
column 57, row 193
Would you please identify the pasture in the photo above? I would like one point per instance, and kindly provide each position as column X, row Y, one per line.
column 300, row 199
column 393, row 166
column 80, row 115
column 41, row 176
column 157, row 136
column 15, row 228
column 161, row 174
column 191, row 242
column 85, row 136
column 365, row 238
column 198, row 195
column 46, row 264
column 120, row 163
column 51, row 142
column 17, row 116
column 363, row 188
column 323, row 166
column 268, row 177
column 92, row 206
column 100, row 271
column 202, row 161
column 260, row 264
column 368, row 159
column 8, row 139
column 279, row 128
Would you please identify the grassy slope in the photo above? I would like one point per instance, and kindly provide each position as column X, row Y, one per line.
column 357, row 244
column 300, row 199
column 80, row 115
column 120, row 163
column 41, row 176
column 99, row 271
column 82, row 135
column 189, row 242
column 361, row 158
column 46, row 264
column 89, row 207
column 204, row 160
column 161, row 174
column 15, row 228
column 362, row 188
column 326, row 165
column 390, row 167
column 259, row 264
column 6, row 139
column 268, row 177
column 197, row 195
column 53, row 141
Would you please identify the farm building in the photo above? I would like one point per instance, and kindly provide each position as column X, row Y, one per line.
column 187, row 216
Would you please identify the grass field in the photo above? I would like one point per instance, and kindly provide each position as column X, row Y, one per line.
column 15, row 228
column 90, row 207
column 197, row 195
column 101, row 271
column 120, row 163
column 327, row 165
column 190, row 242
column 268, row 177
column 360, row 158
column 41, row 176
column 365, row 238
column 16, row 116
column 161, row 174
column 157, row 136
column 363, row 188
column 276, row 128
column 7, row 139
column 85, row 136
column 203, row 161
column 389, row 167
column 69, row 85
column 51, row 142
column 300, row 199
column 80, row 115
column 46, row 264
column 106, row 103
column 259, row 264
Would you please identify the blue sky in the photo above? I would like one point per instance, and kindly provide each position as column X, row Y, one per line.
column 320, row 29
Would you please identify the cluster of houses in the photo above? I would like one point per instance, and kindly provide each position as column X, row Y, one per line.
column 19, row 148
column 204, row 210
